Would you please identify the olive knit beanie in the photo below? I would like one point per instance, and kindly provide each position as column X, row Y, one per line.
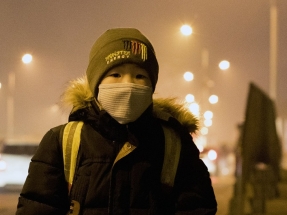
column 118, row 46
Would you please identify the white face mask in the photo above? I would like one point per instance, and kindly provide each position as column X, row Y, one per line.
column 125, row 102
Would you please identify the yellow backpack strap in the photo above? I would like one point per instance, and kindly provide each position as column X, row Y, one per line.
column 71, row 142
column 171, row 156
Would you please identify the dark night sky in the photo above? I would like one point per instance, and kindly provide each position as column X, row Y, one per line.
column 60, row 33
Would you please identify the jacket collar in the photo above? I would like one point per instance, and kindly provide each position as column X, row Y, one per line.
column 101, row 121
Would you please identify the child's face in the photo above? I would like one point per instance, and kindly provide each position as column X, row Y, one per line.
column 127, row 73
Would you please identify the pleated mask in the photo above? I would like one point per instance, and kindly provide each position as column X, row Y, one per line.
column 125, row 102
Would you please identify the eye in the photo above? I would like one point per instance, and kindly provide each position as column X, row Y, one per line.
column 141, row 76
column 115, row 75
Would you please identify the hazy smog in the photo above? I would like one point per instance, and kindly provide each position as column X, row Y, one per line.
column 59, row 34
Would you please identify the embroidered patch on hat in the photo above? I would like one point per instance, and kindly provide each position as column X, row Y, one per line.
column 117, row 55
column 131, row 47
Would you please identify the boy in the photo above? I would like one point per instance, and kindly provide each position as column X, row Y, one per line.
column 123, row 165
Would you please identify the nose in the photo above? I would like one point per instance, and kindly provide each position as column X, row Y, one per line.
column 127, row 78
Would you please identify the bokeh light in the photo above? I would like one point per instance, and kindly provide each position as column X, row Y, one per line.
column 186, row 30
column 213, row 99
column 204, row 130
column 194, row 108
column 27, row 58
column 208, row 114
column 207, row 122
column 224, row 65
column 212, row 155
column 189, row 98
column 188, row 76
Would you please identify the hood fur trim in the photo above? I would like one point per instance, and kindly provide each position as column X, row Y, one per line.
column 78, row 95
column 170, row 107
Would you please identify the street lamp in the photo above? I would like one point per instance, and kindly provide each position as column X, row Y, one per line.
column 189, row 98
column 188, row 76
column 194, row 108
column 186, row 30
column 224, row 65
column 26, row 59
column 213, row 99
column 208, row 114
column 207, row 84
column 204, row 131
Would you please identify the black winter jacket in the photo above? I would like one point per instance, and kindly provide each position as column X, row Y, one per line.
column 131, row 186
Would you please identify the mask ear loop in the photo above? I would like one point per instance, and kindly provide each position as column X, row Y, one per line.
column 97, row 100
column 98, row 104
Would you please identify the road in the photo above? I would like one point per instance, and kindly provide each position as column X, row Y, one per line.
column 8, row 202
column 222, row 188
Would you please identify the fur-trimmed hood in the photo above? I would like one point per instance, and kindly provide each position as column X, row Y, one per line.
column 78, row 96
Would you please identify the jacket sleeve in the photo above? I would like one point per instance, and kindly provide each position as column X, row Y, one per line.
column 193, row 188
column 45, row 190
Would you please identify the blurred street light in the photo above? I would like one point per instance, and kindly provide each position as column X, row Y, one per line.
column 208, row 122
column 204, row 130
column 212, row 155
column 189, row 98
column 207, row 84
column 186, row 30
column 208, row 114
column 200, row 147
column 27, row 58
column 224, row 65
column 54, row 108
column 213, row 99
column 188, row 76
column 194, row 108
